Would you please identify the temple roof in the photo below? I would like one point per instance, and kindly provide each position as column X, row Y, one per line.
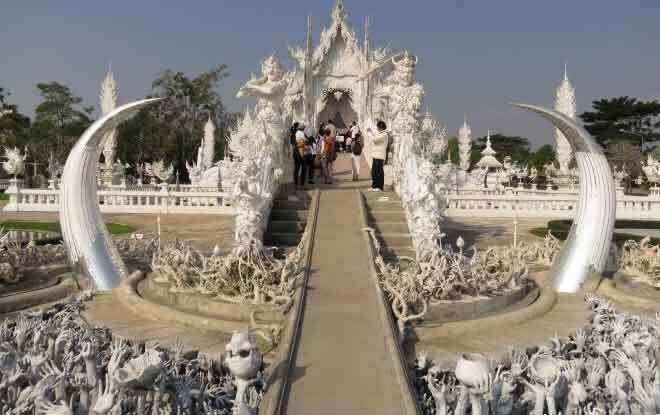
column 489, row 161
column 488, row 155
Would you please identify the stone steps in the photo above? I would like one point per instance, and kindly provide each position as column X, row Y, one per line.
column 288, row 215
column 286, row 226
column 390, row 227
column 288, row 219
column 387, row 216
column 282, row 239
column 395, row 239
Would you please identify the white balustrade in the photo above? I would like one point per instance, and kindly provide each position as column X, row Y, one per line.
column 541, row 204
column 151, row 200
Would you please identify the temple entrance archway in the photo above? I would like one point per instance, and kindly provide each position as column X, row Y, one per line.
column 338, row 107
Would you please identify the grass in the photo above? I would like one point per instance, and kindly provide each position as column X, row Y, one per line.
column 113, row 228
column 561, row 228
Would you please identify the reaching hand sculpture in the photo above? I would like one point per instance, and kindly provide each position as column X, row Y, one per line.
column 87, row 240
column 587, row 247
column 609, row 367
column 91, row 372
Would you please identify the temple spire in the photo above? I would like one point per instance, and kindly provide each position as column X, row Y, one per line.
column 565, row 104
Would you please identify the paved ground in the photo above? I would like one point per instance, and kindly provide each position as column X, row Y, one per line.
column 342, row 365
column 204, row 231
column 107, row 312
column 566, row 316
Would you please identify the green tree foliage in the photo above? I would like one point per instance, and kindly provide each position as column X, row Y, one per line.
column 518, row 148
column 623, row 119
column 59, row 120
column 544, row 155
column 513, row 146
column 173, row 128
column 14, row 126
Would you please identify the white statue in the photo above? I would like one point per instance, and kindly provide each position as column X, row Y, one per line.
column 204, row 172
column 433, row 136
column 652, row 169
column 108, row 96
column 15, row 164
column 464, row 144
column 263, row 152
column 244, row 360
column 159, row 170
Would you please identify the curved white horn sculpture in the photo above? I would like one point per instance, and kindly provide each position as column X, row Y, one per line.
column 588, row 243
column 86, row 238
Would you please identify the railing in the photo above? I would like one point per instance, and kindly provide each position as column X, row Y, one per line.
column 543, row 205
column 127, row 201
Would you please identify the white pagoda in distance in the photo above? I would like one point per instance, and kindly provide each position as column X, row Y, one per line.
column 565, row 104
column 488, row 159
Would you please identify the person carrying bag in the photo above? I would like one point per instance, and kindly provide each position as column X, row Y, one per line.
column 356, row 151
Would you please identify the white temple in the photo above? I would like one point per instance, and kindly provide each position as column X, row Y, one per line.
column 565, row 104
column 337, row 83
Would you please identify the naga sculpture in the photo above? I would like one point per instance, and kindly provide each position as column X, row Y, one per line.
column 87, row 240
column 587, row 247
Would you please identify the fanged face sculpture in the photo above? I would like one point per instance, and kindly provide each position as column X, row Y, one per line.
column 405, row 69
column 243, row 357
column 271, row 69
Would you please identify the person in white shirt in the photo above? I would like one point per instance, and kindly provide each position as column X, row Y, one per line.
column 379, row 142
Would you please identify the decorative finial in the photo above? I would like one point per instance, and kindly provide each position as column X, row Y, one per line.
column 565, row 71
column 338, row 11
column 464, row 119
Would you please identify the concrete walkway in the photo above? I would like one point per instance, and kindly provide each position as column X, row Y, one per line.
column 342, row 365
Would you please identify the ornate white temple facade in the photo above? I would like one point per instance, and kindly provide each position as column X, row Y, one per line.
column 332, row 80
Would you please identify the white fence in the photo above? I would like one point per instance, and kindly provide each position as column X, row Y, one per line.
column 543, row 205
column 163, row 201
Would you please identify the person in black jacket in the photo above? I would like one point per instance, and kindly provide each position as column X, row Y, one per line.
column 297, row 158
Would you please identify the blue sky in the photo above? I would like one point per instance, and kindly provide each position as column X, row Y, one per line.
column 475, row 56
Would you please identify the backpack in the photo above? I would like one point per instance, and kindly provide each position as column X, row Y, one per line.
column 357, row 145
column 388, row 150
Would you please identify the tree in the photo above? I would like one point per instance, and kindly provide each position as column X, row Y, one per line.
column 513, row 146
column 14, row 126
column 541, row 157
column 623, row 119
column 624, row 155
column 60, row 116
column 173, row 128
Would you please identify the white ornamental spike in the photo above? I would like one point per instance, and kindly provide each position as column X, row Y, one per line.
column 588, row 243
column 89, row 245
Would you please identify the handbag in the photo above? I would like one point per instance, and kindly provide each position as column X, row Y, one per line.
column 357, row 148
